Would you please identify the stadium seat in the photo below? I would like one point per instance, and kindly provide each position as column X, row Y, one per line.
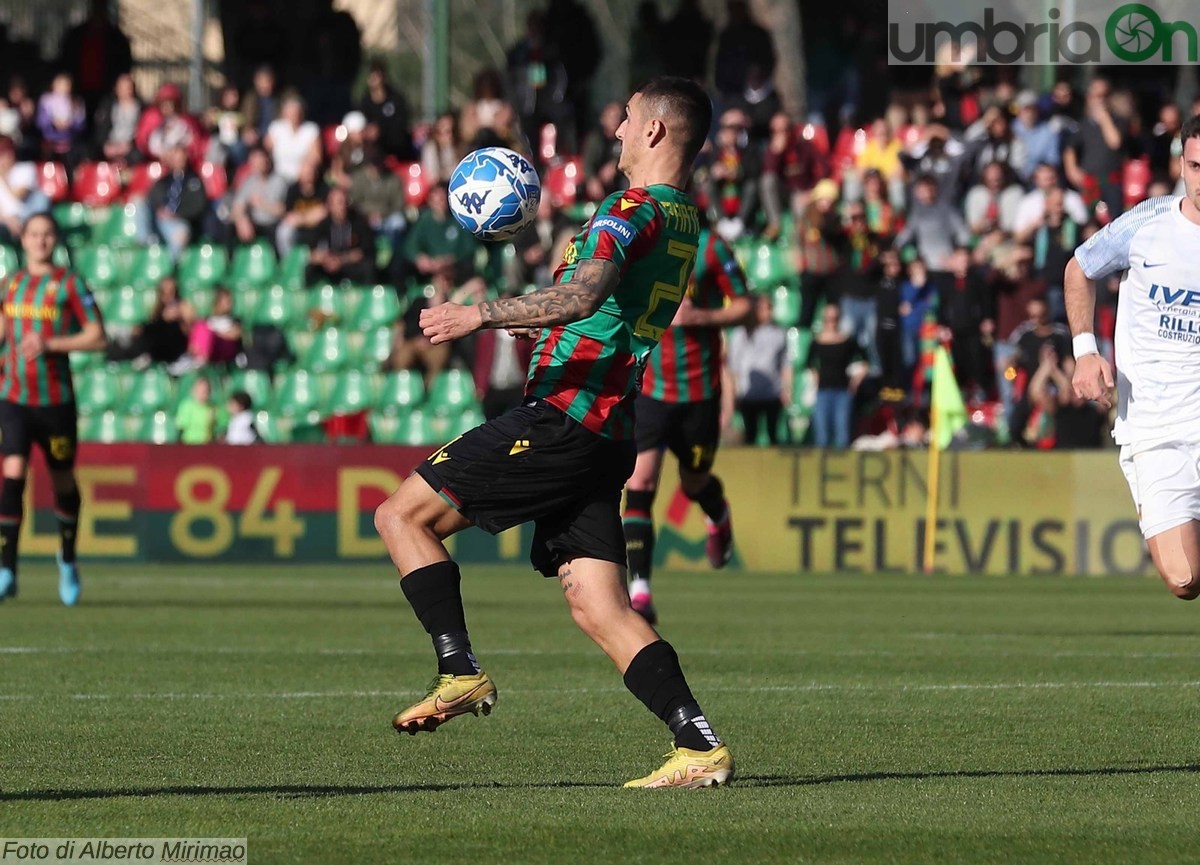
column 1135, row 180
column 10, row 260
column 255, row 382
column 202, row 266
column 104, row 427
column 332, row 137
column 292, row 268
column 332, row 350
column 452, row 391
column 122, row 226
column 97, row 390
column 563, row 182
column 149, row 266
column 201, row 299
column 467, row 419
column 153, row 428
column 73, row 225
column 386, row 429
column 297, row 396
column 416, row 183
column 141, row 179
column 99, row 266
column 216, row 181
column 61, row 256
column 767, row 267
column 52, row 180
column 378, row 307
column 279, row 308
column 96, row 183
column 402, row 389
column 127, row 305
column 376, row 347
column 326, row 304
column 82, row 361
column 352, row 391
column 253, row 266
column 416, row 429
column 269, row 429
column 786, row 309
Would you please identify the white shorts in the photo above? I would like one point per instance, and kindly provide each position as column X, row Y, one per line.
column 1164, row 480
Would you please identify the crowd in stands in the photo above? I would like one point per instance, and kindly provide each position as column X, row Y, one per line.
column 286, row 262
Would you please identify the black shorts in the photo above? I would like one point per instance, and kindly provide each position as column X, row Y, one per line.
column 53, row 428
column 536, row 464
column 691, row 430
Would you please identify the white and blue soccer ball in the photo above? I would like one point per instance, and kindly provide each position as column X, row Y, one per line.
column 494, row 193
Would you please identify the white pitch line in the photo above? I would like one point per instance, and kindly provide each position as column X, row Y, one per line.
column 760, row 689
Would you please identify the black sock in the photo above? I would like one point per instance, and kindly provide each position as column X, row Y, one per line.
column 655, row 677
column 435, row 594
column 639, row 533
column 12, row 511
column 712, row 499
column 66, row 509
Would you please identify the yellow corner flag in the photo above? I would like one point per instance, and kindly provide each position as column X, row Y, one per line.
column 947, row 415
column 947, row 412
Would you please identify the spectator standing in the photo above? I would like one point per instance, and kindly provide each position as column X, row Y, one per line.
column 888, row 334
column 164, row 125
column 759, row 102
column 819, row 233
column 933, row 225
column 196, row 417
column 1039, row 140
column 260, row 200
column 686, row 52
column 965, row 309
column 480, row 112
column 387, row 114
column 991, row 139
column 344, row 245
column 859, row 282
column 881, row 154
column 1032, row 209
column 761, row 374
column 291, row 140
column 227, row 130
column 1020, row 297
column 992, row 204
column 21, row 122
column 61, row 119
column 1165, row 144
column 740, row 43
column 95, row 53
column 442, row 149
column 116, row 123
column 830, row 357
column 918, row 301
column 331, row 60
column 571, row 33
column 648, row 45
column 260, row 106
column 791, row 167
column 1094, row 157
column 733, row 178
column 601, row 151
column 305, row 209
column 241, row 429
column 882, row 217
column 178, row 202
column 537, row 78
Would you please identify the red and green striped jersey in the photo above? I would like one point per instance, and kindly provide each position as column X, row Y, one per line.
column 590, row 369
column 58, row 303
column 686, row 366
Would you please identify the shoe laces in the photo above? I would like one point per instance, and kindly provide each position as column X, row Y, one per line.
column 438, row 681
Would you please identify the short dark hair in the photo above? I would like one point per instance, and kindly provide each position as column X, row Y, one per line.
column 41, row 214
column 242, row 399
column 1191, row 129
column 685, row 102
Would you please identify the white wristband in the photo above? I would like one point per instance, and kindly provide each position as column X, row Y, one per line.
column 1084, row 343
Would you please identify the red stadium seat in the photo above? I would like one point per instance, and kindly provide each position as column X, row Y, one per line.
column 818, row 135
column 96, row 183
column 1135, row 178
column 240, row 175
column 52, row 180
column 216, row 181
column 416, row 183
column 332, row 137
column 142, row 178
column 564, row 181
column 548, row 144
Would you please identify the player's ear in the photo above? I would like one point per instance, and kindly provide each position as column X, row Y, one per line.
column 656, row 131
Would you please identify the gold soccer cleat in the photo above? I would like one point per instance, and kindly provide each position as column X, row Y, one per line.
column 449, row 696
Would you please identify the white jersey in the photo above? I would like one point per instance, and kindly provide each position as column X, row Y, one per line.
column 1158, row 319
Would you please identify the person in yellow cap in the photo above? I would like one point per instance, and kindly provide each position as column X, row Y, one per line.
column 817, row 260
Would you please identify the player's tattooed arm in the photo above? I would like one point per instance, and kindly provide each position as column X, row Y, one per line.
column 593, row 281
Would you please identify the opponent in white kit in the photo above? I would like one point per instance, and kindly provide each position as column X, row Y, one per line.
column 1157, row 246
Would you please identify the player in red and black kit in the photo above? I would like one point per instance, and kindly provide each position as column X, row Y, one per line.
column 680, row 408
column 48, row 312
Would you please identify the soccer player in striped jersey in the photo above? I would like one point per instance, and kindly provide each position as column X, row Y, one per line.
column 48, row 312
column 562, row 458
column 680, row 408
column 1154, row 247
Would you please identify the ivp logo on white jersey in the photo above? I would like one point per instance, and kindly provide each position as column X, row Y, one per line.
column 1164, row 295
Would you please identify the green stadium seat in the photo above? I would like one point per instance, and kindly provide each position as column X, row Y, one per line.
column 297, row 396
column 104, row 427
column 326, row 304
column 149, row 266
column 148, row 391
column 253, row 266
column 97, row 390
column 153, row 428
column 416, row 429
column 379, row 307
column 201, row 299
column 279, row 308
column 121, row 227
column 452, row 391
column 83, row 361
column 255, row 382
column 202, row 266
column 467, row 419
column 402, row 389
column 331, row 350
column 100, row 266
column 767, row 268
column 269, row 429
column 798, row 341
column 376, row 347
column 292, row 268
column 385, row 429
column 353, row 391
column 61, row 257
column 70, row 215
column 127, row 306
column 786, row 310
column 10, row 260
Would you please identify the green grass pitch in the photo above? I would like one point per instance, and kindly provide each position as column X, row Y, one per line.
column 874, row 720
